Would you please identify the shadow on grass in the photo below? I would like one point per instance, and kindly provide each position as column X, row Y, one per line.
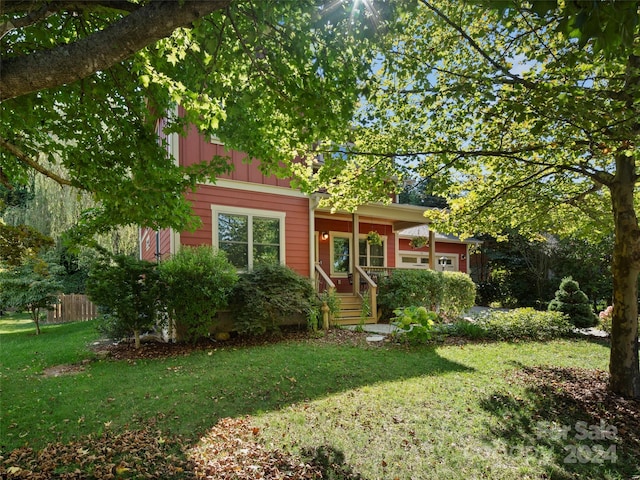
column 569, row 421
column 186, row 394
column 331, row 463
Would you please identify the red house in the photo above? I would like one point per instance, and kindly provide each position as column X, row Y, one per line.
column 255, row 218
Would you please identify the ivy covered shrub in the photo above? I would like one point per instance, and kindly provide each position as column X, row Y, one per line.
column 523, row 323
column 459, row 294
column 574, row 303
column 269, row 294
column 414, row 324
column 198, row 283
column 127, row 291
column 410, row 288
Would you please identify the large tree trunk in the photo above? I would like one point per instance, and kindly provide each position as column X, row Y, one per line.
column 623, row 364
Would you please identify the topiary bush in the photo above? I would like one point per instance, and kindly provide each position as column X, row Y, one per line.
column 264, row 297
column 198, row 284
column 574, row 303
column 524, row 323
column 459, row 294
column 410, row 288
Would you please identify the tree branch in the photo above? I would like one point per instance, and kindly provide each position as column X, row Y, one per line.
column 502, row 68
column 30, row 162
column 101, row 50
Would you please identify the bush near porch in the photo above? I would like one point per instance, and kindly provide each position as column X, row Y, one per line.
column 450, row 293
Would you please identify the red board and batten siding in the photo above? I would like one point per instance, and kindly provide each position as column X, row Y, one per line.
column 295, row 208
column 148, row 241
column 195, row 148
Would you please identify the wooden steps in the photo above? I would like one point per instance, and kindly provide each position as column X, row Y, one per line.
column 351, row 310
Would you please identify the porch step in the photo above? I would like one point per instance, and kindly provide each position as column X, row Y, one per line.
column 351, row 310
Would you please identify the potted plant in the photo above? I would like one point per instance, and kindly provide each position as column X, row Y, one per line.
column 418, row 242
column 374, row 238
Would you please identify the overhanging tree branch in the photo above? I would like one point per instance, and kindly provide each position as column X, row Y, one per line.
column 30, row 162
column 101, row 50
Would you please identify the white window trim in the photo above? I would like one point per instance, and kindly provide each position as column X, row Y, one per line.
column 249, row 212
column 348, row 236
column 384, row 249
column 454, row 257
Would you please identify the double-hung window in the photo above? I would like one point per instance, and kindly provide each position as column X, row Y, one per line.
column 371, row 255
column 249, row 237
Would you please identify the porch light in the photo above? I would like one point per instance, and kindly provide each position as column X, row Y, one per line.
column 325, row 235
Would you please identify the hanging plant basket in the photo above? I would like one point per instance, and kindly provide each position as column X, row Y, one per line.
column 418, row 242
column 374, row 238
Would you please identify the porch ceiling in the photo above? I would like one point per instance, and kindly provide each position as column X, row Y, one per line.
column 401, row 216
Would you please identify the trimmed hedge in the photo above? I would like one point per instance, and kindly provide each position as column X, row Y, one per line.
column 459, row 294
column 452, row 293
column 410, row 288
column 522, row 323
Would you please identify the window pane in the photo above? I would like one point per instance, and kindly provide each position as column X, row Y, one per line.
column 409, row 260
column 362, row 254
column 266, row 255
column 341, row 255
column 237, row 253
column 233, row 239
column 377, row 262
column 233, row 228
column 376, row 250
column 266, row 231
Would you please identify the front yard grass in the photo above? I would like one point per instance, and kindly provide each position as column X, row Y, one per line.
column 493, row 410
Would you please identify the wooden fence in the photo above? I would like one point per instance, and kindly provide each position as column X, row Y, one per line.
column 72, row 308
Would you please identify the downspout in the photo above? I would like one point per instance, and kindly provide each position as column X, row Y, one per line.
column 157, row 246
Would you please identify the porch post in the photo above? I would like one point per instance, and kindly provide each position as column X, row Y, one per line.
column 356, row 253
column 432, row 249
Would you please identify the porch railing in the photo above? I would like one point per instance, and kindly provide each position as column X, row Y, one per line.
column 324, row 284
column 367, row 287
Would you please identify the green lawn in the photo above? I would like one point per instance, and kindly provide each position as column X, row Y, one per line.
column 383, row 412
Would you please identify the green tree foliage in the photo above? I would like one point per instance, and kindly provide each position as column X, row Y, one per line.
column 518, row 127
column 573, row 302
column 198, row 282
column 31, row 285
column 85, row 85
column 268, row 295
column 19, row 243
column 128, row 291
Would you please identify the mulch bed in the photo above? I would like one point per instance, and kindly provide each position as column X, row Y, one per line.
column 125, row 350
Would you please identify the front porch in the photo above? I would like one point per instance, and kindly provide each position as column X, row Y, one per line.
column 354, row 250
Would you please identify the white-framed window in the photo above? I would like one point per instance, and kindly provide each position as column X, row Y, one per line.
column 368, row 255
column 340, row 252
column 372, row 255
column 249, row 237
column 414, row 261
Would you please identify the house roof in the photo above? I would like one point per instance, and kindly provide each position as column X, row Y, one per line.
column 423, row 231
column 400, row 215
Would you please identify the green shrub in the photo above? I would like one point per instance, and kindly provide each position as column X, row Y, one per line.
column 264, row 297
column 459, row 294
column 465, row 328
column 410, row 288
column 574, row 303
column 199, row 281
column 524, row 323
column 414, row 324
column 127, row 291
